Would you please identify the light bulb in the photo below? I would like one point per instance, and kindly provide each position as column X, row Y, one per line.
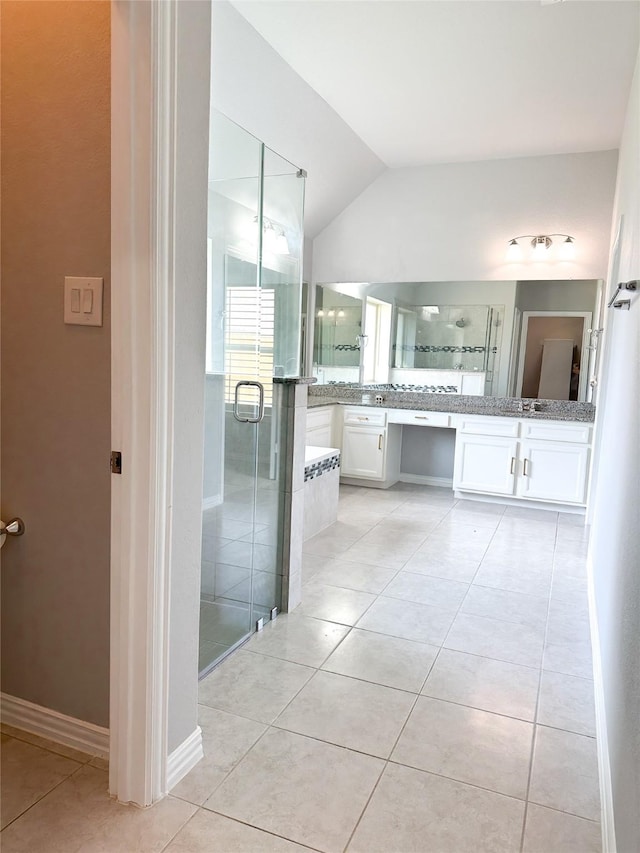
column 341, row 313
column 568, row 249
column 331, row 313
column 514, row 251
column 320, row 313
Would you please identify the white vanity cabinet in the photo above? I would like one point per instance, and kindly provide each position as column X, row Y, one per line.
column 370, row 446
column 486, row 456
column 533, row 460
column 319, row 432
column 554, row 462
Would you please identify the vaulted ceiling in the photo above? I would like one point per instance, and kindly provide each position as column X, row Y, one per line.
column 455, row 80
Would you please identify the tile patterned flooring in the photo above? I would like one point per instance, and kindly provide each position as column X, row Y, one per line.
column 432, row 693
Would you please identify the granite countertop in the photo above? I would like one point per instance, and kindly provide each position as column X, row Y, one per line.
column 506, row 407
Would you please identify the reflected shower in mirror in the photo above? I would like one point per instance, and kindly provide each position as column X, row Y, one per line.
column 338, row 338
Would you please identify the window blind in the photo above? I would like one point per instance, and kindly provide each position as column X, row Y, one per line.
column 249, row 333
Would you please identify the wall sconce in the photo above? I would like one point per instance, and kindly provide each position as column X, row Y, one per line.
column 540, row 244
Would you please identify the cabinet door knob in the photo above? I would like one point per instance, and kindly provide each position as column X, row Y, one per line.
column 379, row 442
column 513, row 465
column 421, row 418
column 525, row 468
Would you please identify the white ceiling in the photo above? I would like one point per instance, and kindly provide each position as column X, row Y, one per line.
column 460, row 80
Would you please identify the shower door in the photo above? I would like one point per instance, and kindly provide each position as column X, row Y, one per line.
column 253, row 333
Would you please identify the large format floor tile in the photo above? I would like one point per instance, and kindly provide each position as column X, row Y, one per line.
column 472, row 746
column 334, row 604
column 226, row 738
column 348, row 712
column 298, row 638
column 421, row 638
column 495, row 638
column 28, row 773
column 358, row 576
column 567, row 703
column 79, row 816
column 391, row 661
column 408, row 620
column 207, row 832
column 565, row 773
column 484, row 683
column 413, row 812
column 302, row 789
column 437, row 592
column 253, row 685
column 547, row 830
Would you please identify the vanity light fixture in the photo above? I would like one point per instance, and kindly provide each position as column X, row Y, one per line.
column 540, row 243
column 273, row 237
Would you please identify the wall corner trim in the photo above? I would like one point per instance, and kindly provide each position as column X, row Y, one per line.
column 54, row 726
column 604, row 765
column 184, row 758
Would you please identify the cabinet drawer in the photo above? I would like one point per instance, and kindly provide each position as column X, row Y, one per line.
column 365, row 416
column 577, row 433
column 508, row 427
column 409, row 416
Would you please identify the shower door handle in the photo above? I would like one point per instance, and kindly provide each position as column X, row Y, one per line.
column 236, row 402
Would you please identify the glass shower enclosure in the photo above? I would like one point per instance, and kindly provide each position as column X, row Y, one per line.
column 254, row 291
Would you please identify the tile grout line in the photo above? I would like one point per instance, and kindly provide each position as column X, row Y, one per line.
column 534, row 737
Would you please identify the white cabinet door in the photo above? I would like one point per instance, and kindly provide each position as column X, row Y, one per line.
column 319, row 436
column 319, row 427
column 363, row 450
column 485, row 463
column 554, row 471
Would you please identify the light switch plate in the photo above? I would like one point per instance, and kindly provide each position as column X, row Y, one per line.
column 75, row 309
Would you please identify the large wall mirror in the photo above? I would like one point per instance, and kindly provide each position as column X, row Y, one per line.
column 514, row 338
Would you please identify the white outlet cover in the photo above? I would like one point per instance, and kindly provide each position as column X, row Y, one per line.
column 82, row 318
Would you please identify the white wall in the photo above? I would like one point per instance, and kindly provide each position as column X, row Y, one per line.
column 192, row 124
column 615, row 543
column 452, row 222
column 254, row 86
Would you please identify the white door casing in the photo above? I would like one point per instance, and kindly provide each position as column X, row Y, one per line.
column 145, row 44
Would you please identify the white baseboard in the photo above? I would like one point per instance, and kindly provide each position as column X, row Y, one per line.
column 424, row 480
column 184, row 758
column 211, row 502
column 602, row 742
column 570, row 509
column 54, row 726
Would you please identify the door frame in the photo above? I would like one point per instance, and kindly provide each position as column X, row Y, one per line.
column 584, row 374
column 145, row 43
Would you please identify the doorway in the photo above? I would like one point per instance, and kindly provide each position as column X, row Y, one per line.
column 254, row 307
column 554, row 355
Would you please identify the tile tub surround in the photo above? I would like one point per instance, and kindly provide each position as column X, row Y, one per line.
column 321, row 488
column 445, row 743
column 293, row 403
column 508, row 407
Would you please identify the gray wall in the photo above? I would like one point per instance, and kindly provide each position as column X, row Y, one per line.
column 428, row 451
column 55, row 378
column 615, row 544
column 557, row 295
